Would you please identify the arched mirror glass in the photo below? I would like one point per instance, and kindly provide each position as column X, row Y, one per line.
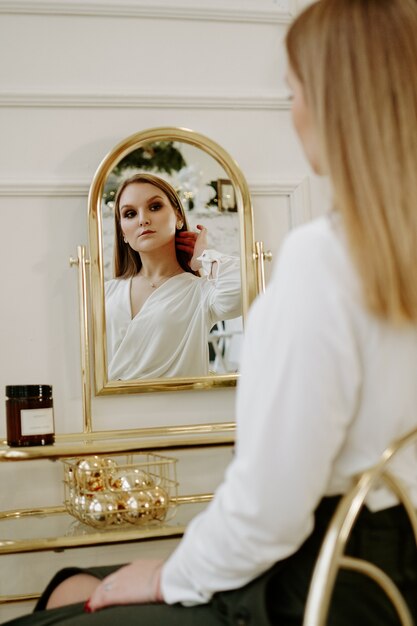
column 183, row 331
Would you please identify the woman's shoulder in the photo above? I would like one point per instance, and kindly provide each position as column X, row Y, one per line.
column 321, row 240
column 182, row 283
column 326, row 229
column 317, row 252
column 187, row 278
column 116, row 285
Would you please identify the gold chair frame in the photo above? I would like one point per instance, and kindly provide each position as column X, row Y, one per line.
column 332, row 558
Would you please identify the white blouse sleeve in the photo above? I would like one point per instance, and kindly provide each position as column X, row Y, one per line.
column 297, row 393
column 224, row 287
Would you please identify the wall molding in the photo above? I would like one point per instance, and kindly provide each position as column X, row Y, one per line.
column 300, row 204
column 77, row 188
column 277, row 188
column 298, row 193
column 32, row 99
column 44, row 189
column 145, row 10
column 299, row 198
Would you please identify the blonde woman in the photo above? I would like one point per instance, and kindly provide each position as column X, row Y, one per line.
column 329, row 366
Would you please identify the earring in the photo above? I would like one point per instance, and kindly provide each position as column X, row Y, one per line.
column 180, row 224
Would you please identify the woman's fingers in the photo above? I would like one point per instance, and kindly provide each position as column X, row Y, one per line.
column 185, row 241
column 193, row 244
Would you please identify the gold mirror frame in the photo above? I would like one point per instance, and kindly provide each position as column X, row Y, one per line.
column 103, row 386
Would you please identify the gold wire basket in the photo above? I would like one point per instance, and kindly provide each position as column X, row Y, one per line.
column 109, row 492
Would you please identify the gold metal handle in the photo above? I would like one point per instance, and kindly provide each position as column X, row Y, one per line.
column 260, row 257
column 81, row 261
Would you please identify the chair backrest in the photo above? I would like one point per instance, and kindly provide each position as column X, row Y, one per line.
column 332, row 558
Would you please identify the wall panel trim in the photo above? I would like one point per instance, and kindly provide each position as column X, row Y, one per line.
column 43, row 189
column 300, row 203
column 145, row 10
column 76, row 188
column 29, row 99
column 298, row 192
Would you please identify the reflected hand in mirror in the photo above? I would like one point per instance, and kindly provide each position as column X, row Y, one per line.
column 169, row 289
column 193, row 244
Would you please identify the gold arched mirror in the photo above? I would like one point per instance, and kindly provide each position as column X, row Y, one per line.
column 214, row 193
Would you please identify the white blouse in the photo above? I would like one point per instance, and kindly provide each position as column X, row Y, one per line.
column 169, row 335
column 324, row 388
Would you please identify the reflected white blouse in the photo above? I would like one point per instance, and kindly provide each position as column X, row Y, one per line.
column 169, row 335
column 324, row 388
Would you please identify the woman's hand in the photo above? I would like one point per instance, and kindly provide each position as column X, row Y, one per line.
column 136, row 583
column 185, row 241
column 193, row 244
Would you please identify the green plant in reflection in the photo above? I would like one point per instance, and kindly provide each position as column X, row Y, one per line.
column 159, row 156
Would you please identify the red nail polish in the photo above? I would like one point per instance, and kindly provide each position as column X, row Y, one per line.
column 87, row 607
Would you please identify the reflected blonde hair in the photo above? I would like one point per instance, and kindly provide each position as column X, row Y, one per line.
column 357, row 62
column 126, row 261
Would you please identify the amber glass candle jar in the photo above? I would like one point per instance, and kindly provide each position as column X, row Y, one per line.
column 29, row 415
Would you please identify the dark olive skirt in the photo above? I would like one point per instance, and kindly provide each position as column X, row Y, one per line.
column 277, row 598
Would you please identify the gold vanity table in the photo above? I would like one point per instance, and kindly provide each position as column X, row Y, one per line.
column 53, row 529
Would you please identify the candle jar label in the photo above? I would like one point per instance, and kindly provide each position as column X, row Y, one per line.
column 37, row 421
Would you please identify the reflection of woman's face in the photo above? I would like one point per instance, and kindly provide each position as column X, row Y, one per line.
column 147, row 218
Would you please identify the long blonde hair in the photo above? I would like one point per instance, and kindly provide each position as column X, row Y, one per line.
column 357, row 62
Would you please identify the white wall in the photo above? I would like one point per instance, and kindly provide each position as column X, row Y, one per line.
column 76, row 78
